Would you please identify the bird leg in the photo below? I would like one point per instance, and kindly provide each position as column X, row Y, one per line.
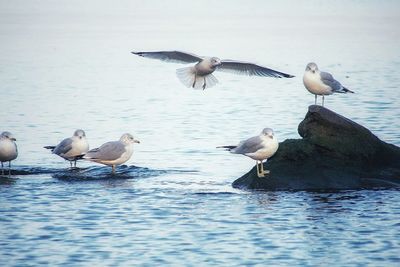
column 2, row 168
column 113, row 169
column 262, row 169
column 194, row 82
column 315, row 99
column 205, row 84
column 323, row 97
column 9, row 168
column 74, row 163
column 258, row 170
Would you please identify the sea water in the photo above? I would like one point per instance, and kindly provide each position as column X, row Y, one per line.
column 67, row 65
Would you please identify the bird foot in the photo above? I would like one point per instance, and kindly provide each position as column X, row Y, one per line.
column 262, row 174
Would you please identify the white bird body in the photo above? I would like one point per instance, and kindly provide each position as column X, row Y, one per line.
column 270, row 146
column 267, row 148
column 313, row 83
column 125, row 156
column 79, row 146
column 204, row 67
column 8, row 149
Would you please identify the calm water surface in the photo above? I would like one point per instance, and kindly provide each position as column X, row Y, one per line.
column 67, row 65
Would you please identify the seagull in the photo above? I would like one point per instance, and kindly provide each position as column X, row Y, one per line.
column 71, row 148
column 260, row 147
column 8, row 150
column 200, row 75
column 321, row 83
column 113, row 153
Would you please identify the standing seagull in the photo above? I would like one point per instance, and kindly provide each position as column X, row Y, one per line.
column 258, row 148
column 71, row 148
column 113, row 153
column 8, row 150
column 200, row 75
column 321, row 83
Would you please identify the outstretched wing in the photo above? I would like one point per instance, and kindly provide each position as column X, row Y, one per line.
column 108, row 151
column 171, row 56
column 250, row 69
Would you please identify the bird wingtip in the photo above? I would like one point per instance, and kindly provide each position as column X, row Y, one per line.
column 348, row 90
column 288, row 76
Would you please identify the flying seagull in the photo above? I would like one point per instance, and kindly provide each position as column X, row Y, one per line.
column 200, row 75
column 71, row 148
column 258, row 148
column 321, row 83
column 8, row 150
column 113, row 153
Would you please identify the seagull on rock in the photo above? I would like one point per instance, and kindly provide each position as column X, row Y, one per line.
column 259, row 148
column 321, row 83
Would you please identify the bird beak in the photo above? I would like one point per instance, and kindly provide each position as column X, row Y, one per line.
column 13, row 139
column 136, row 141
column 313, row 71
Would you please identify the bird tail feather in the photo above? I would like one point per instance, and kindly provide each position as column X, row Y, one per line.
column 188, row 77
column 79, row 157
column 228, row 148
column 50, row 147
column 210, row 80
column 347, row 90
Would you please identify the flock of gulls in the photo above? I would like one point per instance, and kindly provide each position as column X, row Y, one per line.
column 197, row 76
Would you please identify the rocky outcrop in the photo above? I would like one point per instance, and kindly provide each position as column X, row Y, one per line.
column 334, row 153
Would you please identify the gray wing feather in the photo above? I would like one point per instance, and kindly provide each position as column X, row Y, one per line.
column 250, row 145
column 250, row 69
column 328, row 79
column 63, row 147
column 171, row 56
column 108, row 151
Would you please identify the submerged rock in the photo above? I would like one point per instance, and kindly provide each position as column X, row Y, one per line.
column 334, row 153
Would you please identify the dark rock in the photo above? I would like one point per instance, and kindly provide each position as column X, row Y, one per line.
column 334, row 153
